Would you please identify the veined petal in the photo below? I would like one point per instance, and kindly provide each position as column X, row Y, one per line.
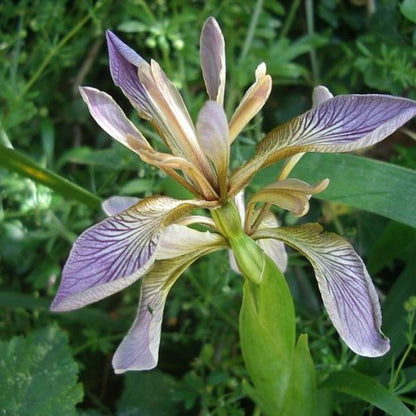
column 178, row 240
column 172, row 118
column 340, row 124
column 124, row 63
column 212, row 53
column 156, row 99
column 252, row 102
column 345, row 285
column 117, row 204
column 290, row 194
column 212, row 132
column 320, row 94
column 139, row 349
column 110, row 117
column 116, row 252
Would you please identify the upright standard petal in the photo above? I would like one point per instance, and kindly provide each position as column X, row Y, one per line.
column 116, row 252
column 171, row 117
column 140, row 347
column 212, row 53
column 252, row 102
column 124, row 64
column 110, row 117
column 212, row 132
column 346, row 288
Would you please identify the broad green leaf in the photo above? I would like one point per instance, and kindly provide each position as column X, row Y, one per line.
column 363, row 183
column 17, row 162
column 38, row 375
column 149, row 393
column 367, row 389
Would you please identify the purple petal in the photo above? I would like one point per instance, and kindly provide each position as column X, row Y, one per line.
column 346, row 288
column 340, row 124
column 117, row 204
column 124, row 64
column 110, row 117
column 114, row 253
column 320, row 95
column 212, row 52
column 212, row 132
column 140, row 347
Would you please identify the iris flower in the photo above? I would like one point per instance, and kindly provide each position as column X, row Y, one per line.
column 152, row 239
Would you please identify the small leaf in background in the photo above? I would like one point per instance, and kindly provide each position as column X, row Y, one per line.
column 408, row 9
column 148, row 393
column 38, row 375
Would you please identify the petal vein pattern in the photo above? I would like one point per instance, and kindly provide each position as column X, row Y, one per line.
column 140, row 347
column 116, row 252
column 339, row 124
column 345, row 285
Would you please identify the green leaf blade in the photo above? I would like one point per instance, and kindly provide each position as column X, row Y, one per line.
column 378, row 187
column 367, row 389
column 19, row 163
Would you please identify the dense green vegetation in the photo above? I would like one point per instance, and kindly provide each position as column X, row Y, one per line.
column 56, row 165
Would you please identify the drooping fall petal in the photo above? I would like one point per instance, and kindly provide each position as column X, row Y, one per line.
column 114, row 253
column 140, row 347
column 345, row 285
column 339, row 124
column 117, row 204
column 252, row 102
column 110, row 117
column 212, row 54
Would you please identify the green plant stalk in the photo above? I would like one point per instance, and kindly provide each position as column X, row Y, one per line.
column 51, row 54
column 17, row 162
column 281, row 370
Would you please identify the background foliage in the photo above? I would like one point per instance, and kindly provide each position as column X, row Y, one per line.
column 48, row 49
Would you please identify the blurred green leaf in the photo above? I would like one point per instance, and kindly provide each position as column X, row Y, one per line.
column 148, row 393
column 408, row 9
column 386, row 248
column 89, row 315
column 39, row 375
column 17, row 162
column 363, row 183
column 368, row 389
